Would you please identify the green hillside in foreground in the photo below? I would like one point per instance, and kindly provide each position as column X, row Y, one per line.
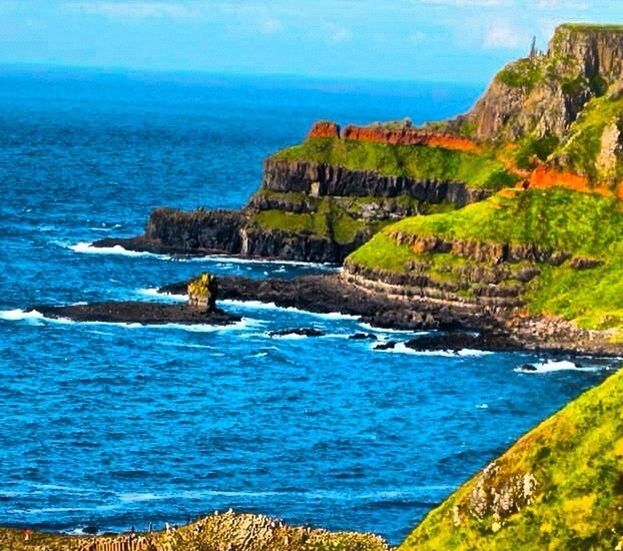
column 560, row 487
column 588, row 229
column 476, row 170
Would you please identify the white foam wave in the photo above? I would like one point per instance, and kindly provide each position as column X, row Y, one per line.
column 551, row 366
column 155, row 293
column 88, row 248
column 289, row 337
column 19, row 315
column 382, row 330
column 259, row 305
column 402, row 348
column 188, row 345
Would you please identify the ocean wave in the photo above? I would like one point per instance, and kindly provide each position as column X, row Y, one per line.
column 382, row 330
column 259, row 305
column 551, row 366
column 155, row 293
column 18, row 315
column 402, row 348
column 88, row 248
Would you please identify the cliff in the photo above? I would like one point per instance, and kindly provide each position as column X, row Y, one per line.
column 554, row 119
column 544, row 94
column 543, row 252
column 557, row 487
column 321, row 200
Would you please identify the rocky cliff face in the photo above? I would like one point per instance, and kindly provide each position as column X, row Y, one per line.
column 304, row 211
column 321, row 179
column 544, row 94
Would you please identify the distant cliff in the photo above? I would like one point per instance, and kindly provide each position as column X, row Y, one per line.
column 315, row 206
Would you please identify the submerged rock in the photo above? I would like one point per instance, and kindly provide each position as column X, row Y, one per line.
column 389, row 345
column 363, row 337
column 300, row 331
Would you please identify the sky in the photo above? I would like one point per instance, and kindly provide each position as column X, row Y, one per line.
column 435, row 40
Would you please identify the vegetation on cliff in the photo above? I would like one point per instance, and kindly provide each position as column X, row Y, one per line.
column 476, row 170
column 570, row 244
column 559, row 487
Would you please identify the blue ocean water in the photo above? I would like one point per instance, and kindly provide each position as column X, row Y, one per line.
column 120, row 426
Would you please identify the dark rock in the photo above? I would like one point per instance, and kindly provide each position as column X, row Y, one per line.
column 583, row 263
column 389, row 345
column 302, row 331
column 323, row 179
column 138, row 312
column 528, row 367
column 363, row 337
column 90, row 530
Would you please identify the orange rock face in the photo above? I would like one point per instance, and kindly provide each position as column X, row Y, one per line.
column 324, row 129
column 544, row 177
column 405, row 135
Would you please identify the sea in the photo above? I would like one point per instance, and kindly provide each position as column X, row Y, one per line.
column 119, row 426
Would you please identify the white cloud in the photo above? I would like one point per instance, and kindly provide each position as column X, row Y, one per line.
column 503, row 35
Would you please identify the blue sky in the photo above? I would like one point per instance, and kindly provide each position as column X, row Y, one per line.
column 439, row 40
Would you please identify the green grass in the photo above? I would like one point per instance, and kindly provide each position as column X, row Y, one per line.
column 328, row 222
column 564, row 220
column 524, row 73
column 576, row 459
column 591, row 27
column 383, row 253
column 580, row 224
column 416, row 162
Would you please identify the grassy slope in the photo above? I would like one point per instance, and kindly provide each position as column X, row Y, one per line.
column 580, row 150
column 576, row 457
column 583, row 225
column 418, row 162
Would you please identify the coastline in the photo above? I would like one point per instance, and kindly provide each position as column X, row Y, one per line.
column 456, row 327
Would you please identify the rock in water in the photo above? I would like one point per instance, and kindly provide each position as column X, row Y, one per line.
column 300, row 331
column 202, row 292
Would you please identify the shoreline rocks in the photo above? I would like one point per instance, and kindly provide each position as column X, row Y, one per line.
column 456, row 327
column 150, row 313
column 228, row 531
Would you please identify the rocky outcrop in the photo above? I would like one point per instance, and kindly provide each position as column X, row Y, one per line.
column 542, row 95
column 324, row 129
column 396, row 133
column 150, row 313
column 196, row 231
column 219, row 532
column 258, row 242
column 321, row 179
column 296, row 187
